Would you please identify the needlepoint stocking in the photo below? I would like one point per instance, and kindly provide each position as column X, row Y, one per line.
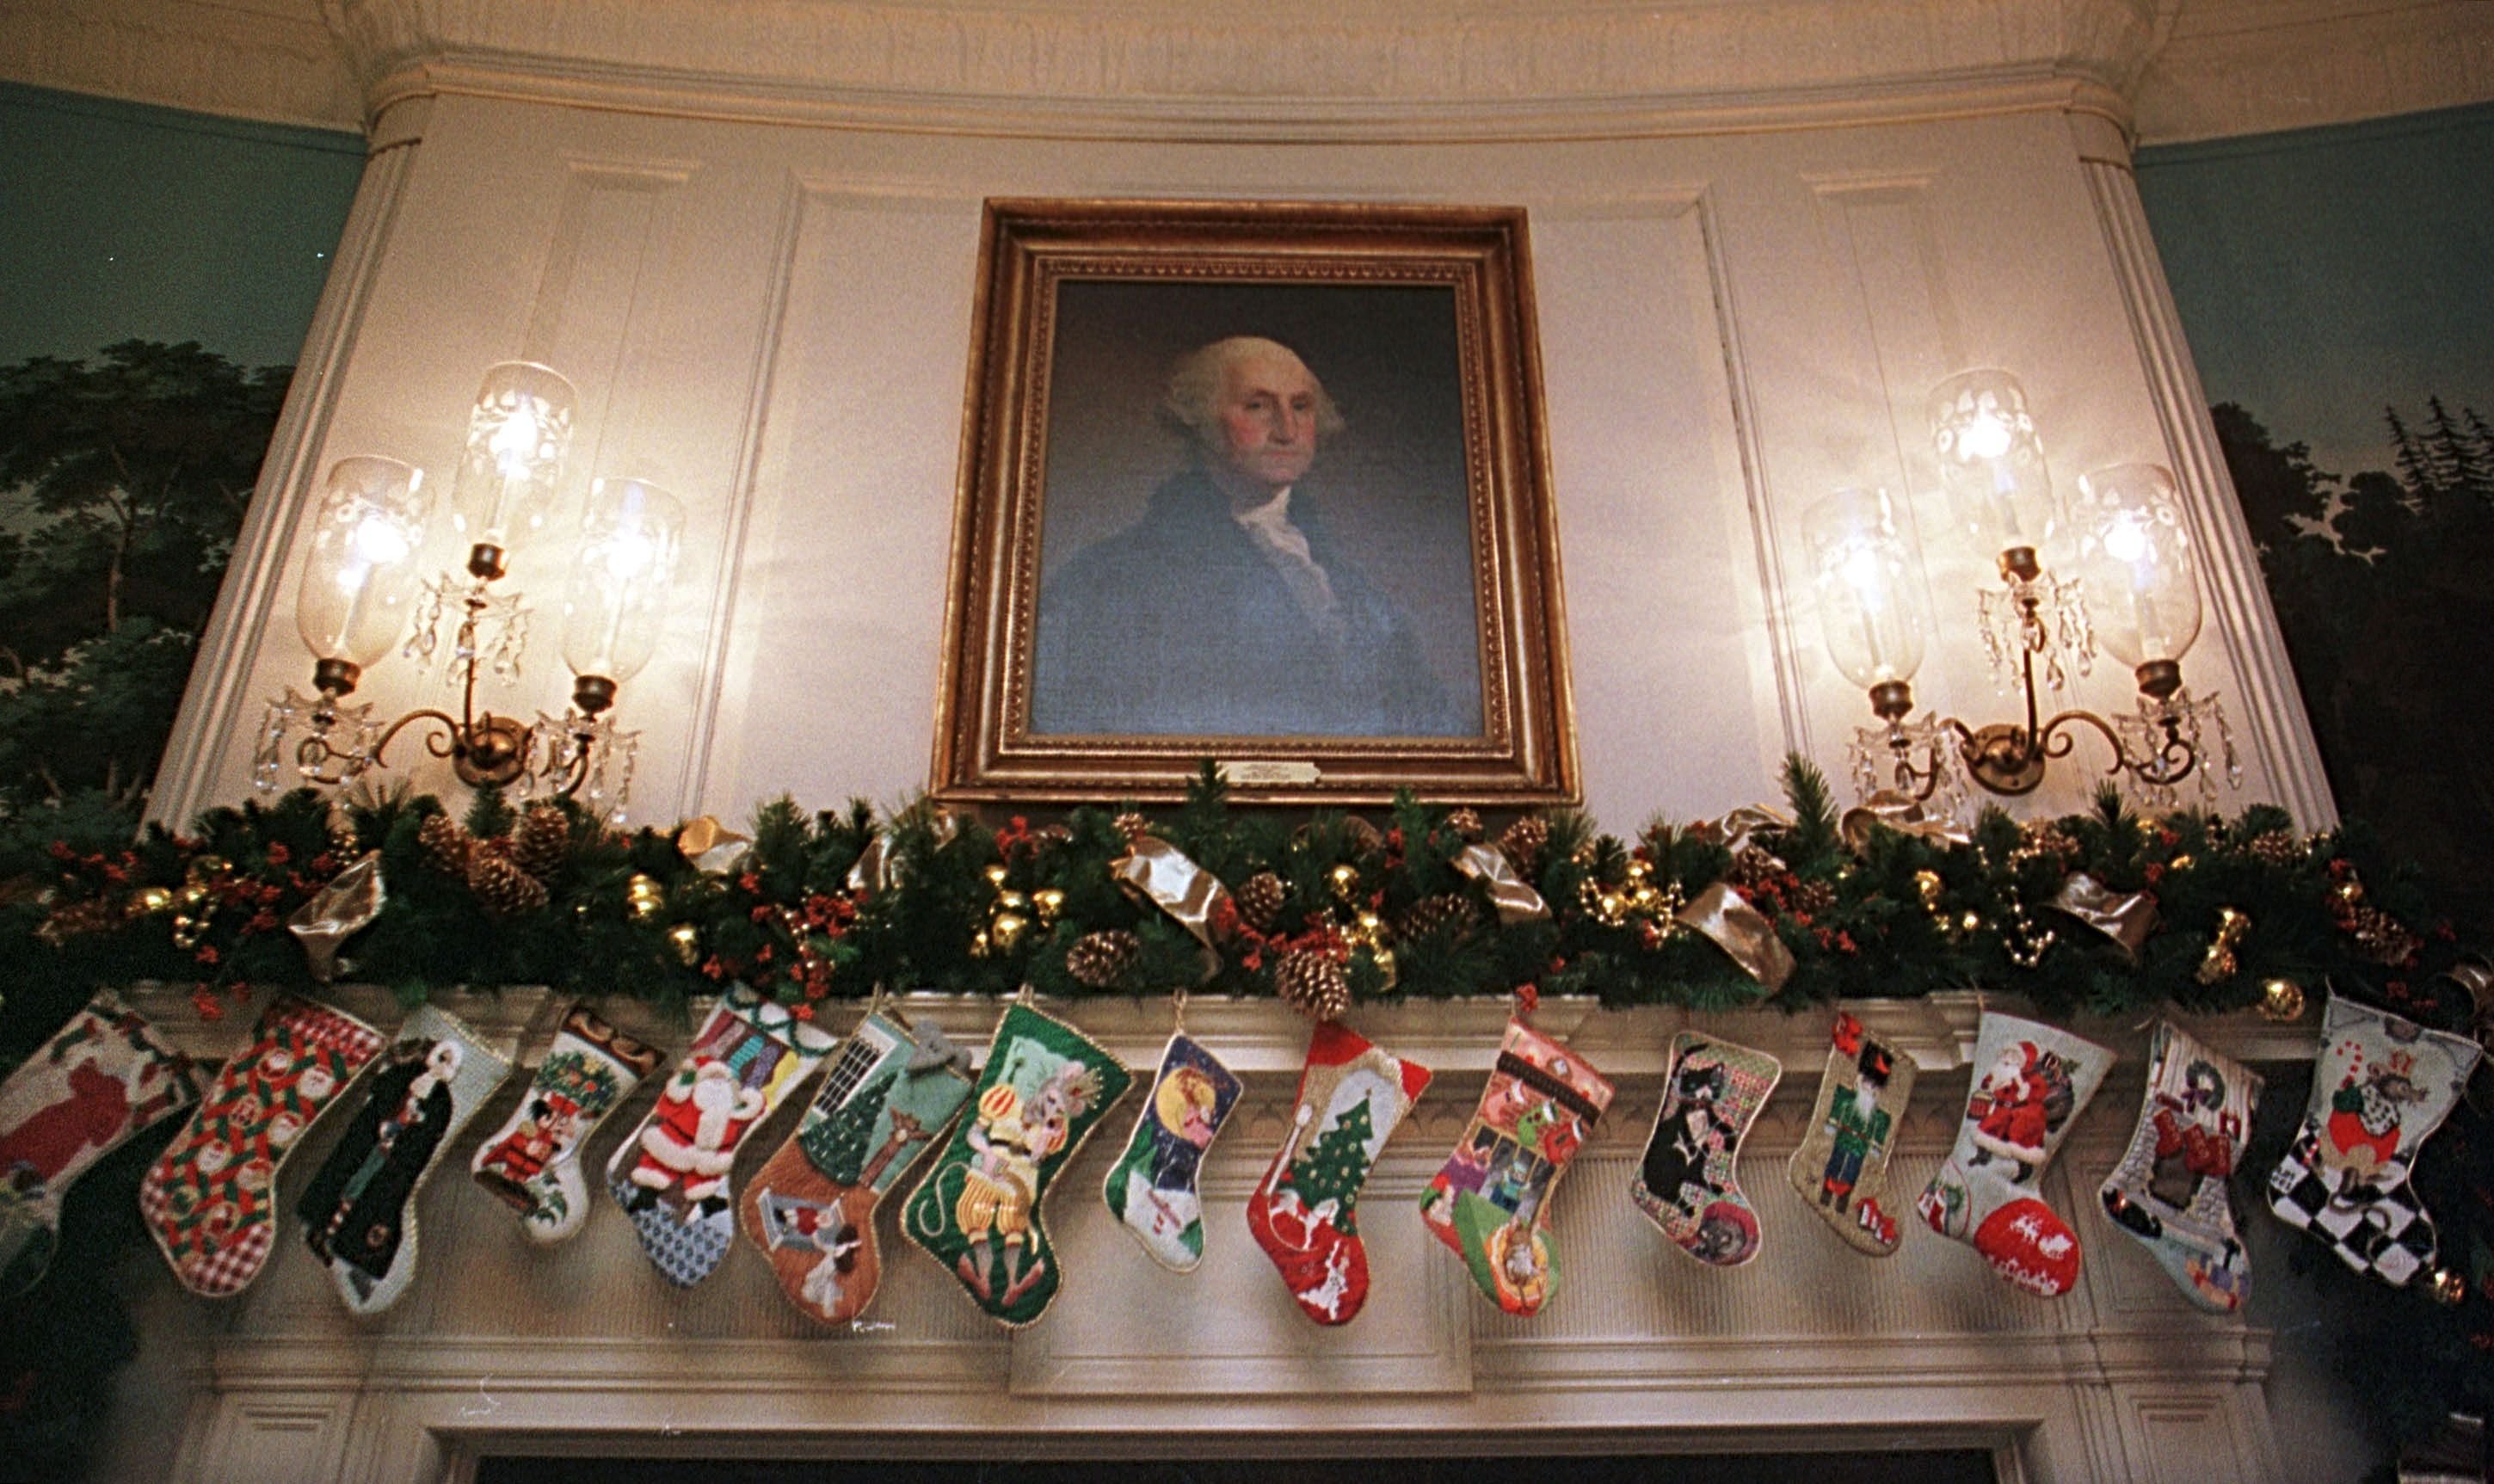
column 1841, row 1167
column 2031, row 1081
column 1152, row 1185
column 2170, row 1189
column 1684, row 1184
column 532, row 1162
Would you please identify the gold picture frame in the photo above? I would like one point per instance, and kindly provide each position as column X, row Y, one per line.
column 1381, row 609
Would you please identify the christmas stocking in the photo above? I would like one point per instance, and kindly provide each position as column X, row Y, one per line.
column 1352, row 1097
column 977, row 1212
column 210, row 1200
column 1841, row 1167
column 1491, row 1201
column 2030, row 1084
column 102, row 1077
column 891, row 1093
column 2380, row 1087
column 2170, row 1189
column 532, row 1162
column 1152, row 1185
column 1684, row 1184
column 359, row 1211
column 672, row 1174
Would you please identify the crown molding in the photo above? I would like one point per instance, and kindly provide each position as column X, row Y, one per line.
column 272, row 61
column 2245, row 67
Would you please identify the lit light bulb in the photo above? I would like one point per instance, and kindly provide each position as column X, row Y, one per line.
column 381, row 540
column 359, row 581
column 1985, row 438
column 515, row 442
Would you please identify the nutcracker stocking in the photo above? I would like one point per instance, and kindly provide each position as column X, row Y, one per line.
column 1684, row 1184
column 2382, row 1085
column 102, row 1077
column 672, row 1174
column 210, row 1200
column 359, row 1211
column 532, row 1162
column 2030, row 1084
column 1352, row 1097
column 1841, row 1167
column 890, row 1092
column 1491, row 1201
column 1152, row 1185
column 977, row 1212
column 2170, row 1189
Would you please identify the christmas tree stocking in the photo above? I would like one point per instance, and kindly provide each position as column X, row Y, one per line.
column 1152, row 1185
column 890, row 1092
column 977, row 1213
column 1841, row 1167
column 672, row 1174
column 210, row 1200
column 533, row 1161
column 2030, row 1084
column 1491, row 1201
column 1684, row 1184
column 2381, row 1086
column 2170, row 1189
column 359, row 1211
column 1352, row 1097
column 102, row 1077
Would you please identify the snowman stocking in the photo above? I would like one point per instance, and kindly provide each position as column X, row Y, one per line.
column 359, row 1211
column 1684, row 1184
column 2381, row 1086
column 1491, row 1201
column 533, row 1161
column 1152, row 1185
column 2030, row 1084
column 102, row 1077
column 1352, row 1097
column 977, row 1212
column 672, row 1174
column 210, row 1200
column 1841, row 1167
column 890, row 1092
column 2170, row 1189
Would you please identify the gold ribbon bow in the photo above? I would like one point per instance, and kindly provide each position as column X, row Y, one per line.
column 1900, row 814
column 1160, row 873
column 337, row 911
column 1742, row 931
column 1514, row 898
column 710, row 844
column 2126, row 920
column 1735, row 830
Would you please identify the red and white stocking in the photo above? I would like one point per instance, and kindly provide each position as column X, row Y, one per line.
column 2030, row 1083
column 1352, row 1097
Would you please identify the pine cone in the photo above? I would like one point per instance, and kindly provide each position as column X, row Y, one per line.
column 506, row 889
column 1812, row 897
column 541, row 841
column 1098, row 960
column 1754, row 868
column 1258, row 900
column 1523, row 842
column 2042, row 838
column 445, row 843
column 2276, row 847
column 1313, row 984
column 2380, row 937
column 1466, row 823
column 1448, row 912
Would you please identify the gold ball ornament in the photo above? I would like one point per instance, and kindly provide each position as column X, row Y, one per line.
column 685, row 939
column 1005, row 931
column 2217, row 964
column 150, row 900
column 188, row 930
column 1047, row 902
column 996, row 877
column 2281, row 1000
column 2447, row 1287
column 2181, row 863
column 1927, row 887
column 644, row 898
column 1012, row 901
column 1344, row 879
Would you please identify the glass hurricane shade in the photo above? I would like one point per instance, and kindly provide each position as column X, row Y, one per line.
column 361, row 579
column 1869, row 579
column 616, row 600
column 2141, row 581
column 1991, row 461
column 517, row 436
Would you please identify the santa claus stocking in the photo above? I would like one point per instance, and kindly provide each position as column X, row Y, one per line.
column 890, row 1092
column 210, row 1200
column 1352, row 1098
column 533, row 1161
column 2381, row 1086
column 2030, row 1084
column 1841, row 1167
column 2170, row 1189
column 1491, row 1201
column 102, row 1077
column 977, row 1213
column 1152, row 1185
column 359, row 1211
column 1684, row 1184
column 672, row 1174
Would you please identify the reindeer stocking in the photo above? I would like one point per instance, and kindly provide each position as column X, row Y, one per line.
column 2030, row 1083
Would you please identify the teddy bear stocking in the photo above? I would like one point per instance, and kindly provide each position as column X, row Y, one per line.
column 1352, row 1098
column 1684, row 1184
column 1044, row 1088
column 532, row 1162
column 890, row 1094
column 1152, row 1185
column 1491, row 1201
column 1841, row 1167
column 2381, row 1086
column 359, row 1211
column 210, row 1199
column 672, row 1174
column 2170, row 1189
column 2030, row 1083
column 102, row 1077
